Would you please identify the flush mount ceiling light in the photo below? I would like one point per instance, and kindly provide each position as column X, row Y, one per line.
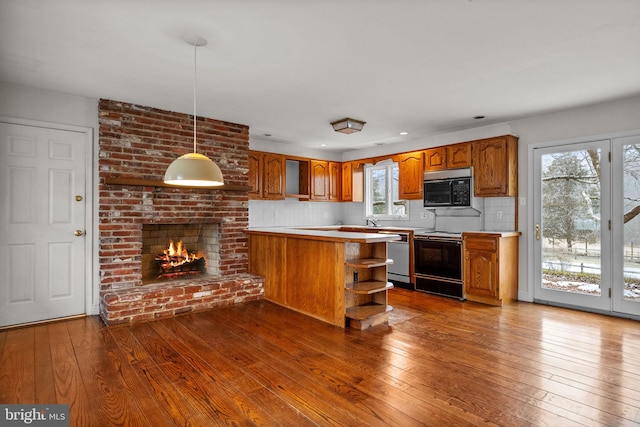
column 348, row 125
column 193, row 169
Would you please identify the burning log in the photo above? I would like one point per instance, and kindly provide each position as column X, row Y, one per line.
column 177, row 261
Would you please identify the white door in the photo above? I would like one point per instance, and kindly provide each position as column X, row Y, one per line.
column 571, row 219
column 42, row 223
column 625, row 163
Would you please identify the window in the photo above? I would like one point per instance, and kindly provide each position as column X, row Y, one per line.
column 381, row 198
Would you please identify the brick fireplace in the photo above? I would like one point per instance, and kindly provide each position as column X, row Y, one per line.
column 136, row 145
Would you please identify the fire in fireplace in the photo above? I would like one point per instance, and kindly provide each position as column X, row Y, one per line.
column 179, row 251
column 177, row 261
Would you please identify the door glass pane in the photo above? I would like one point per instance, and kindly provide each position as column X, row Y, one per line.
column 631, row 230
column 570, row 231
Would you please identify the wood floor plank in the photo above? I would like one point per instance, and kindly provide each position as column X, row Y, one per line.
column 45, row 392
column 17, row 365
column 67, row 377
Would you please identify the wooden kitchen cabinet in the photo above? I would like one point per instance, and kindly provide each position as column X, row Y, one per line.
column 490, row 265
column 266, row 176
column 411, row 175
column 435, row 159
column 459, row 155
column 335, row 181
column 347, row 182
column 495, row 165
column 319, row 180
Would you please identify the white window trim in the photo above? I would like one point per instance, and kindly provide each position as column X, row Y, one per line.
column 387, row 164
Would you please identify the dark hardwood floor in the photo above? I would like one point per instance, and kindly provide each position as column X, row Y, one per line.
column 441, row 362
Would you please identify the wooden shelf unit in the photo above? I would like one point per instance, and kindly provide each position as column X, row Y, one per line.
column 366, row 300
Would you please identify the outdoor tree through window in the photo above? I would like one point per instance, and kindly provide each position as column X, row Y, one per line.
column 382, row 192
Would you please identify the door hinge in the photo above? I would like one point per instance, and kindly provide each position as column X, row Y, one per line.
column 609, row 156
column 609, row 224
column 609, row 292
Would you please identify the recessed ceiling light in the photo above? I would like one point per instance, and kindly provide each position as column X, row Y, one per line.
column 323, row 145
column 404, row 133
column 478, row 117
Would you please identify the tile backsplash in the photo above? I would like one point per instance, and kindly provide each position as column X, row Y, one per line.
column 497, row 214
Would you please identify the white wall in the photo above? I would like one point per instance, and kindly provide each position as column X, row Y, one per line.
column 47, row 106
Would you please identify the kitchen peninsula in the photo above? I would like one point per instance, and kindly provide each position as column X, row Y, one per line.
column 339, row 277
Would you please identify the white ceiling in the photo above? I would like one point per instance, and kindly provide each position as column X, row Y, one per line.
column 289, row 67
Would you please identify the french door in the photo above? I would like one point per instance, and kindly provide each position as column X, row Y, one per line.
column 587, row 225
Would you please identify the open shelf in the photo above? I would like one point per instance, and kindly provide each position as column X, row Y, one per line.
column 155, row 183
column 368, row 287
column 369, row 262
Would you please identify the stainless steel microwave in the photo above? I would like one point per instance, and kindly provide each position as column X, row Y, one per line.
column 448, row 188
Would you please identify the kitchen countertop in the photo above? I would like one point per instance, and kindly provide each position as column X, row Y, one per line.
column 494, row 233
column 327, row 233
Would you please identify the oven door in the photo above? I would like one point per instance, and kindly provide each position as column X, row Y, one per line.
column 438, row 258
column 438, row 266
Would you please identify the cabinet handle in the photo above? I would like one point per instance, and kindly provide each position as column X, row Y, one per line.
column 537, row 231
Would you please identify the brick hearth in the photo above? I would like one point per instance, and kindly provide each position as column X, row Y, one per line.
column 137, row 142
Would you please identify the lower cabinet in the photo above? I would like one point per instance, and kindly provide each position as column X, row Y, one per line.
column 490, row 267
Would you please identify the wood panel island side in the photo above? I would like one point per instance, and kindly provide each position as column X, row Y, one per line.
column 335, row 276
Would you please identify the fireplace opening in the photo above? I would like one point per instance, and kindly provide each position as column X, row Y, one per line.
column 179, row 251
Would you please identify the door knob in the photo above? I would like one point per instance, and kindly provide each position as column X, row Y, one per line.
column 78, row 198
column 537, row 231
column 79, row 232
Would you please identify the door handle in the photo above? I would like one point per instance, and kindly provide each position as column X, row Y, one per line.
column 537, row 231
column 79, row 232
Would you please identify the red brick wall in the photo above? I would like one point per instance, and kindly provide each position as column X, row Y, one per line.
column 140, row 142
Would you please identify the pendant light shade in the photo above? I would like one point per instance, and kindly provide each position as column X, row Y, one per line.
column 193, row 169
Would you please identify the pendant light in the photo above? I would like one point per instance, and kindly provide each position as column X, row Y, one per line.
column 193, row 169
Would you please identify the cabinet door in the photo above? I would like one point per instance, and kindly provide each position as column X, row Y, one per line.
column 459, row 155
column 357, row 175
column 495, row 167
column 335, row 183
column 435, row 159
column 411, row 175
column 255, row 175
column 319, row 180
column 481, row 273
column 347, row 182
column 273, row 176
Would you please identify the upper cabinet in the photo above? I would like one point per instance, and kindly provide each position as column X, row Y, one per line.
column 319, row 180
column 335, row 181
column 266, row 175
column 459, row 155
column 347, row 182
column 435, row 159
column 448, row 157
column 495, row 163
column 411, row 175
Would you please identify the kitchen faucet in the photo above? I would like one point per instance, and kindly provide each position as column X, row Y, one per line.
column 374, row 223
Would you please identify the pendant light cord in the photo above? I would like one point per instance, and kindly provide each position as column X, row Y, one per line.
column 195, row 70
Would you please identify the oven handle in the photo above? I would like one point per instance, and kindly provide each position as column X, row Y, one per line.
column 439, row 239
column 440, row 278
